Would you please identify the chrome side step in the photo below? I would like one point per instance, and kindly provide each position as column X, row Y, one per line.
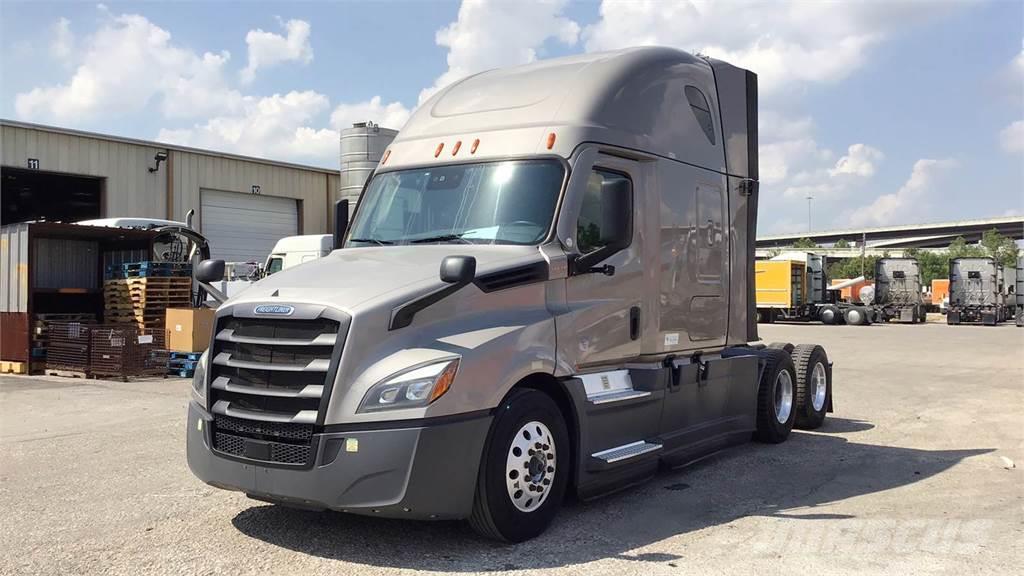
column 618, row 396
column 626, row 452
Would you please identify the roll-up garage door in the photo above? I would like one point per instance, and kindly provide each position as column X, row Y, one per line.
column 244, row 227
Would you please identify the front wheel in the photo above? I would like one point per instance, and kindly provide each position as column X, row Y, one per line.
column 525, row 469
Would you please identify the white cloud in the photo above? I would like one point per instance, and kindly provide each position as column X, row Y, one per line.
column 1011, row 138
column 907, row 203
column 270, row 127
column 127, row 64
column 860, row 160
column 62, row 45
column 786, row 44
column 267, row 49
column 493, row 33
column 391, row 115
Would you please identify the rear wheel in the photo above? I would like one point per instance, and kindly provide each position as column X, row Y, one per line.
column 829, row 314
column 813, row 385
column 525, row 469
column 776, row 395
column 856, row 316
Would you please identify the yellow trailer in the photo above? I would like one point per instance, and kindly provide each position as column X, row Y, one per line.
column 780, row 284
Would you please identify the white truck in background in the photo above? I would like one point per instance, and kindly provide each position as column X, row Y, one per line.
column 294, row 250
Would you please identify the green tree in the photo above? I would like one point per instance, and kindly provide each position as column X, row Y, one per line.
column 959, row 248
column 841, row 243
column 934, row 265
column 805, row 243
column 997, row 246
column 851, row 267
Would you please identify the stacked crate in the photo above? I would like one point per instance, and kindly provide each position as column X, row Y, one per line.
column 122, row 350
column 140, row 294
column 41, row 326
column 67, row 351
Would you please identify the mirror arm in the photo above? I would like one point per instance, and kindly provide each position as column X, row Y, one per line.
column 580, row 265
column 217, row 295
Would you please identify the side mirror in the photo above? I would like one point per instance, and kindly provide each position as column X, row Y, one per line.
column 616, row 227
column 209, row 271
column 340, row 222
column 458, row 269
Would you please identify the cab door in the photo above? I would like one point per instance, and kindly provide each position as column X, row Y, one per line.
column 605, row 300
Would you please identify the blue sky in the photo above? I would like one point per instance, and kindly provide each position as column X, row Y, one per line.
column 884, row 112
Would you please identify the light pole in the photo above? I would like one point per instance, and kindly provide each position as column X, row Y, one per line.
column 809, row 198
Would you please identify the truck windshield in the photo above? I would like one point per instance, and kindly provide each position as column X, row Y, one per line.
column 510, row 202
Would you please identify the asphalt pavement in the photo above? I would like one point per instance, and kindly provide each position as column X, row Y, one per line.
column 918, row 471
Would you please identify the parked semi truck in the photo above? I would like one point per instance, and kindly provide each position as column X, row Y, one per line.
column 794, row 287
column 898, row 289
column 547, row 286
column 1018, row 293
column 974, row 292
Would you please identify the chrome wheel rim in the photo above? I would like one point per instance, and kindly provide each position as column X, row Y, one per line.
column 530, row 466
column 783, row 396
column 819, row 379
column 854, row 317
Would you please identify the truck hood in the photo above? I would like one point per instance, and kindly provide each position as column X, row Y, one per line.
column 351, row 277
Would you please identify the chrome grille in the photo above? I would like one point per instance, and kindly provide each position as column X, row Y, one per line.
column 268, row 383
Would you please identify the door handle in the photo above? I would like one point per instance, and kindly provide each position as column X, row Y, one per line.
column 634, row 323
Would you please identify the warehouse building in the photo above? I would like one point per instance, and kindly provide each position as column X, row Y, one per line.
column 242, row 204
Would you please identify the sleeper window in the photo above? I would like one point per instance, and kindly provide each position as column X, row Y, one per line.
column 701, row 110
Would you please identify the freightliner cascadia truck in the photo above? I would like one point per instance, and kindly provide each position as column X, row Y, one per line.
column 546, row 290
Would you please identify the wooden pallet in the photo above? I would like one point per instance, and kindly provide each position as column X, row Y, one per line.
column 11, row 367
column 67, row 373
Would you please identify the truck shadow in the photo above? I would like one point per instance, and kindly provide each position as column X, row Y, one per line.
column 785, row 481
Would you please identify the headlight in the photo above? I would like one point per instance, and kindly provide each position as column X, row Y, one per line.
column 199, row 379
column 411, row 388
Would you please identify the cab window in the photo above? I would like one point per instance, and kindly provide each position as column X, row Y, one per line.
column 588, row 225
column 275, row 265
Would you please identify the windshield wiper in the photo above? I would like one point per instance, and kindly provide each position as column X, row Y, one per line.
column 440, row 238
column 376, row 241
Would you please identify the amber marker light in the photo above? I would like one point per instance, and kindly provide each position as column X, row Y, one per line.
column 455, row 149
column 384, row 159
column 476, row 143
column 444, row 381
column 437, row 151
column 551, row 141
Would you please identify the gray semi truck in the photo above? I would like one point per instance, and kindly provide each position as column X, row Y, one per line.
column 975, row 292
column 898, row 290
column 546, row 288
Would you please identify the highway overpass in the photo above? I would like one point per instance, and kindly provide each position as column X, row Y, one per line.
column 935, row 235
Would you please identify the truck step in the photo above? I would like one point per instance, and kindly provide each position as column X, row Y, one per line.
column 618, row 396
column 626, row 452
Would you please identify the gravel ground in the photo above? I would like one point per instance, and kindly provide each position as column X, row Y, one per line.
column 917, row 472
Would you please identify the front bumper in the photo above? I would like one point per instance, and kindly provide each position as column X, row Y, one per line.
column 426, row 472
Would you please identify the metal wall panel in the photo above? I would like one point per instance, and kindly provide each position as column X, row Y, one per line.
column 195, row 172
column 131, row 190
column 14, row 268
column 65, row 263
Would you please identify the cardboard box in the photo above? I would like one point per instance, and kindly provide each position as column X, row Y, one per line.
column 189, row 329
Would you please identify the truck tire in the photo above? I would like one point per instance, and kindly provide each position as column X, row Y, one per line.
column 776, row 397
column 855, row 316
column 829, row 314
column 813, row 385
column 782, row 346
column 524, row 468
